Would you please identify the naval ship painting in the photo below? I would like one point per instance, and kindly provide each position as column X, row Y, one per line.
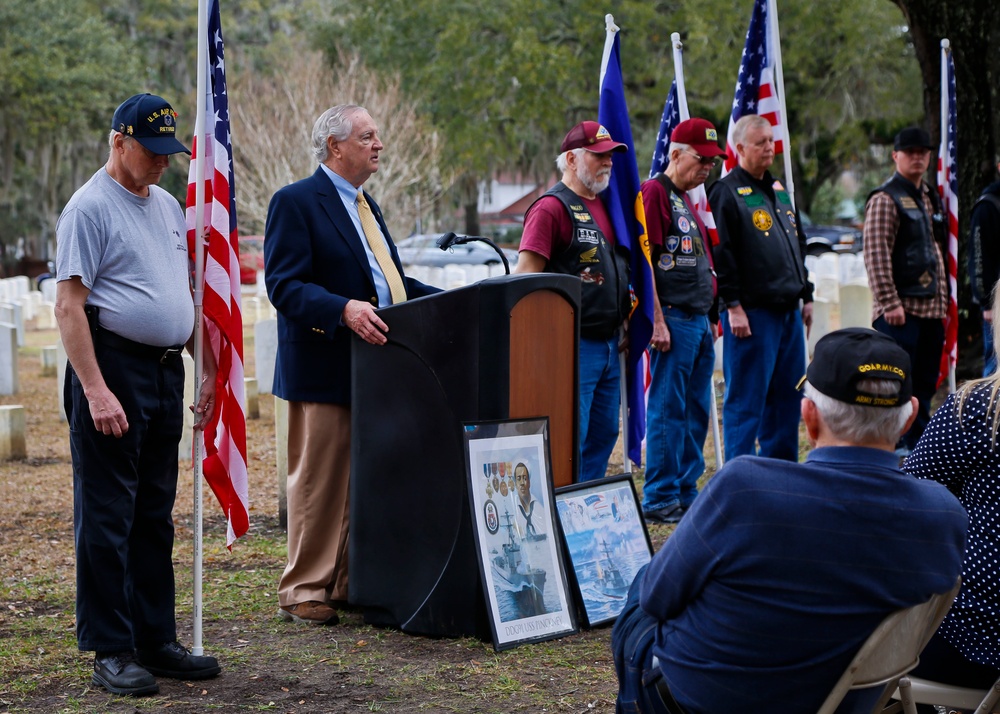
column 609, row 577
column 525, row 583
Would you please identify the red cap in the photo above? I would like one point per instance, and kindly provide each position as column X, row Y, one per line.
column 700, row 135
column 591, row 136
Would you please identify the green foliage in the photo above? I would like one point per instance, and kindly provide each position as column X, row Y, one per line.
column 503, row 81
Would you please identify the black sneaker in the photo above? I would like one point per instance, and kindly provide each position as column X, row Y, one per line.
column 119, row 673
column 173, row 660
column 667, row 514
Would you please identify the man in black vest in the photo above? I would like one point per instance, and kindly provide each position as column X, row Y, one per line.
column 568, row 231
column 683, row 354
column 984, row 263
column 762, row 277
column 903, row 237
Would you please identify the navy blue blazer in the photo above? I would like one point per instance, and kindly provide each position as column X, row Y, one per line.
column 314, row 263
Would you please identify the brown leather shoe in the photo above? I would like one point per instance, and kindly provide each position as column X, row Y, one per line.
column 310, row 612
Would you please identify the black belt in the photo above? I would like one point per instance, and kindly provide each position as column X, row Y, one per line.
column 117, row 342
column 663, row 690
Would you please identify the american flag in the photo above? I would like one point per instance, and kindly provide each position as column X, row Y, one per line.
column 624, row 202
column 225, row 438
column 671, row 118
column 947, row 183
column 755, row 87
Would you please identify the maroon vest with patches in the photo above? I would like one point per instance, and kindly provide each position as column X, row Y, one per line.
column 605, row 301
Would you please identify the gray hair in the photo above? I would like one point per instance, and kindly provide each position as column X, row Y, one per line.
column 335, row 122
column 562, row 164
column 745, row 123
column 857, row 423
column 676, row 146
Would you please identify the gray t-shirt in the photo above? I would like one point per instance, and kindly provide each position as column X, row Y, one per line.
column 131, row 252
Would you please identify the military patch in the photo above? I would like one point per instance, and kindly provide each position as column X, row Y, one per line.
column 686, row 245
column 782, row 196
column 672, row 243
column 791, row 217
column 908, row 203
column 683, row 224
column 575, row 207
column 583, row 217
column 762, row 219
column 744, row 190
column 666, row 262
column 926, row 279
column 754, row 199
column 678, row 205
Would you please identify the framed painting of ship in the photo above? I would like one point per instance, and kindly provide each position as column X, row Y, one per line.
column 513, row 515
column 607, row 542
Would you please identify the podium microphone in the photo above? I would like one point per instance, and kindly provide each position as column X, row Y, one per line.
column 450, row 239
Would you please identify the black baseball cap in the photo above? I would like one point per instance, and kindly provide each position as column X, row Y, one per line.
column 913, row 137
column 151, row 121
column 843, row 358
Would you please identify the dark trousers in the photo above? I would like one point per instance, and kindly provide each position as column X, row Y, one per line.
column 639, row 680
column 123, row 495
column 923, row 340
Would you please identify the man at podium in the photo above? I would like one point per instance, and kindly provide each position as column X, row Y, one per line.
column 568, row 231
column 329, row 262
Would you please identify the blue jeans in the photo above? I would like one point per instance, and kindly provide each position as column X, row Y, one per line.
column 762, row 372
column 600, row 397
column 989, row 355
column 677, row 411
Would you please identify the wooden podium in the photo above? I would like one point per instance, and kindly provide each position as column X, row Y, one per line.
column 503, row 348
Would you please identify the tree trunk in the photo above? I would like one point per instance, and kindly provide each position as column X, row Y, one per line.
column 975, row 41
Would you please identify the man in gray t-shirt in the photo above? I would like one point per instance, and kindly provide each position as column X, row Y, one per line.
column 124, row 308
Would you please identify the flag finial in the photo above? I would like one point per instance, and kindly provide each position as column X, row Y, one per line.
column 609, row 22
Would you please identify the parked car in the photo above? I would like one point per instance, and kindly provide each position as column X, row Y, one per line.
column 251, row 258
column 423, row 250
column 826, row 239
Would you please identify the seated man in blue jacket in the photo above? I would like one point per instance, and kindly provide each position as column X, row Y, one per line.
column 766, row 590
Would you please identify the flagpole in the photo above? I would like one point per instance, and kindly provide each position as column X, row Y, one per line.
column 609, row 41
column 942, row 157
column 199, row 291
column 779, row 85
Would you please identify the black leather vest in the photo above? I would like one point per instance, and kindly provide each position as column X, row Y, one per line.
column 682, row 270
column 605, row 301
column 914, row 262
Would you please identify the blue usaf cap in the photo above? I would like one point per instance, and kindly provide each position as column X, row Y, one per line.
column 845, row 357
column 151, row 121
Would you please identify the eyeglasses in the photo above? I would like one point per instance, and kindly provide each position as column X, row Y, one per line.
column 703, row 160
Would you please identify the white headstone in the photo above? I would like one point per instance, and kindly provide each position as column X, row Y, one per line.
column 265, row 351
column 22, row 285
column 855, row 306
column 48, row 288
column 50, row 356
column 454, row 277
column 12, row 443
column 821, row 324
column 9, row 383
column 252, row 397
column 45, row 317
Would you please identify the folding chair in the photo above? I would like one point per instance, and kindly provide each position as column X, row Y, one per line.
column 913, row 691
column 891, row 651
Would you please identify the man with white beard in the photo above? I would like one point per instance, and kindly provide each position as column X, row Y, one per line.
column 568, row 231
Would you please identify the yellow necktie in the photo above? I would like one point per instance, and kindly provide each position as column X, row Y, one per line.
column 380, row 250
